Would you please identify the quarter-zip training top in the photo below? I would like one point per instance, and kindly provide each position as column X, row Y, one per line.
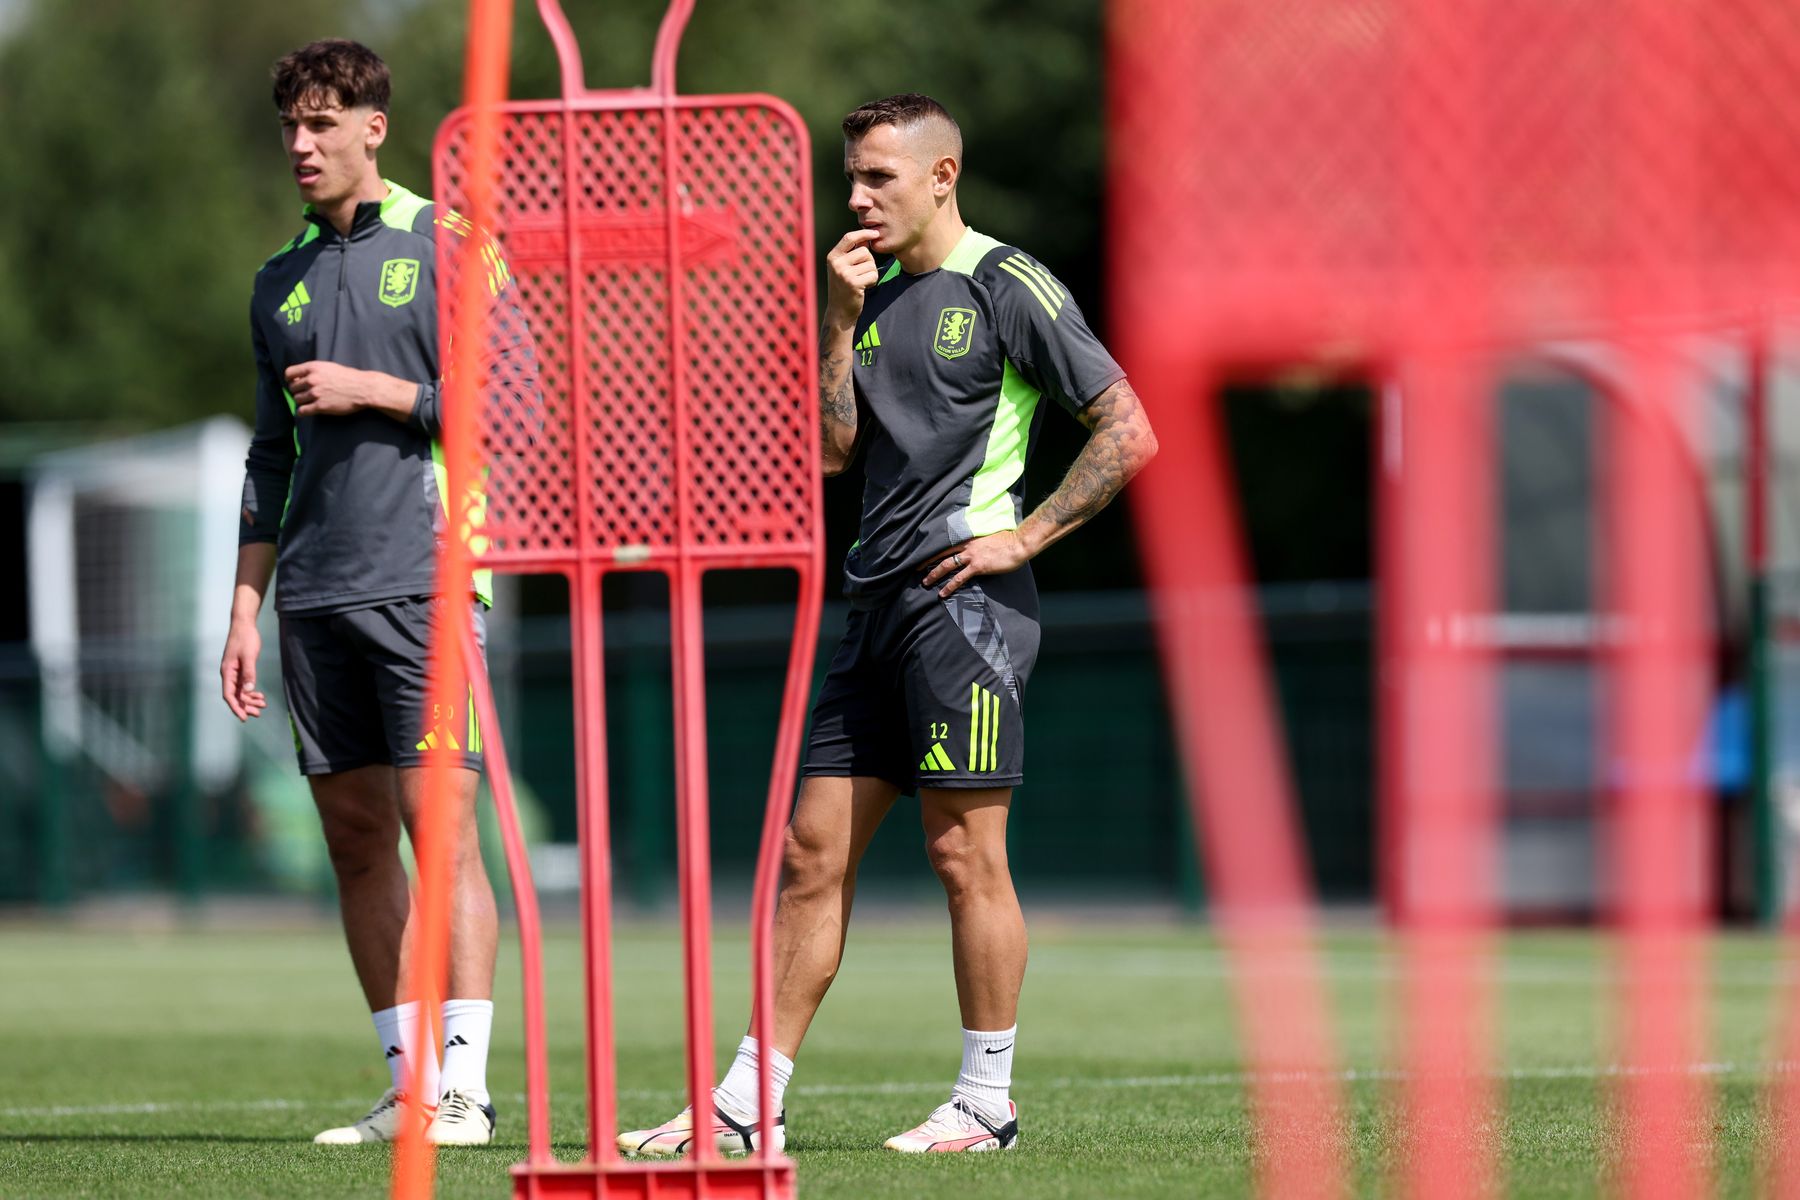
column 356, row 502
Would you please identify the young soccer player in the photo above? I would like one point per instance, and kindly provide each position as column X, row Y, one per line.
column 939, row 344
column 342, row 487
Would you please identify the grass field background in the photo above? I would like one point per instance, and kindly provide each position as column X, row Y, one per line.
column 199, row 1064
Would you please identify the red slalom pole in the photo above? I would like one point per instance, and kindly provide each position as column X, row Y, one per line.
column 1659, row 682
column 1437, row 560
column 484, row 88
column 1438, row 528
column 525, row 902
column 1244, row 814
column 1215, row 666
column 1661, row 838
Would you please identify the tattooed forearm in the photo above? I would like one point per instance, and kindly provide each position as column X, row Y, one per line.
column 1120, row 443
column 837, row 401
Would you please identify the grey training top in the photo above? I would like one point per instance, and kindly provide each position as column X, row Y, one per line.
column 356, row 502
column 949, row 367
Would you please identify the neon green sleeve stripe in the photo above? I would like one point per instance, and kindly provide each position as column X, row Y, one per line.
column 1037, row 289
column 401, row 207
column 1044, row 277
column 289, row 502
column 299, row 239
column 990, row 496
column 293, row 411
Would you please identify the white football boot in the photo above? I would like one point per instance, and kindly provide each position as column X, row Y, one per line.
column 461, row 1120
column 956, row 1125
column 379, row 1124
column 672, row 1138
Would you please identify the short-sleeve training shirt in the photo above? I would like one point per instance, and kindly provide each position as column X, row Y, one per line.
column 949, row 366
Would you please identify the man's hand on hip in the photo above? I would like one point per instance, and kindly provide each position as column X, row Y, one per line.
column 328, row 389
column 995, row 554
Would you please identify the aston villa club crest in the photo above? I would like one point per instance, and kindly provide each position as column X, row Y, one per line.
column 399, row 281
column 955, row 330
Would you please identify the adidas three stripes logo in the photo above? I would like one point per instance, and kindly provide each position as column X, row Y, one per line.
column 984, row 736
column 1043, row 285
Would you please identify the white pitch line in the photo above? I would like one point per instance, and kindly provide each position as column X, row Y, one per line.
column 1216, row 1079
column 162, row 1106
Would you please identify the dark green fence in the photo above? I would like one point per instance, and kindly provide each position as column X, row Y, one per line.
column 1102, row 814
column 1102, row 811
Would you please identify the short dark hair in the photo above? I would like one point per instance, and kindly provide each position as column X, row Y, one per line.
column 332, row 71
column 910, row 108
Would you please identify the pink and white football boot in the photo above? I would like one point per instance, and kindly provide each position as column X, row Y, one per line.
column 956, row 1125
column 673, row 1137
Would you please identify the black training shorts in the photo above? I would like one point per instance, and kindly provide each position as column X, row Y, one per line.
column 356, row 688
column 927, row 692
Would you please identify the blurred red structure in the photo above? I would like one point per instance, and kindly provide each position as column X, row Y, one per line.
column 661, row 246
column 461, row 313
column 1415, row 192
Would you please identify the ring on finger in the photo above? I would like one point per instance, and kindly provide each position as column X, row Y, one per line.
column 957, row 559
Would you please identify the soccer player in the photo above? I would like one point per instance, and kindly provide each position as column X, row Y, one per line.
column 934, row 359
column 344, row 487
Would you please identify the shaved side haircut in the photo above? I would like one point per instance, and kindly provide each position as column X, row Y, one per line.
column 914, row 115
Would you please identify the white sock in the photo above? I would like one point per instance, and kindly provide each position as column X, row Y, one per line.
column 738, row 1091
column 986, row 1078
column 398, row 1029
column 467, row 1026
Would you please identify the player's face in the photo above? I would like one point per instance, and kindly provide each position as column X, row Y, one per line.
column 891, row 188
column 329, row 148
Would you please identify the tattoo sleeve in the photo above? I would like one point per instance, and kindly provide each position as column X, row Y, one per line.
column 1119, row 443
column 837, row 401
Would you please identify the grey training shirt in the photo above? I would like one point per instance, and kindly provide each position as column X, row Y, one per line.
column 949, row 366
column 356, row 502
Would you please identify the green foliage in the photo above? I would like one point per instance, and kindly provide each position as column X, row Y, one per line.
column 143, row 180
column 143, row 183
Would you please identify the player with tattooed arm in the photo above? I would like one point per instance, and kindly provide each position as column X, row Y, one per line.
column 939, row 346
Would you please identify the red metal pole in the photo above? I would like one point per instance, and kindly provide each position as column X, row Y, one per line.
column 668, row 46
column 775, row 819
column 1223, row 705
column 1245, row 818
column 525, row 902
column 1443, row 776
column 1657, row 702
column 484, row 89
column 1661, row 670
column 1438, row 563
column 693, row 854
column 595, row 835
column 568, row 51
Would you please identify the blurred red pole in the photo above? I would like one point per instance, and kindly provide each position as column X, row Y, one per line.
column 484, row 88
column 1438, row 528
column 1227, row 725
column 1224, row 709
column 1438, row 563
column 1661, row 838
column 1656, row 572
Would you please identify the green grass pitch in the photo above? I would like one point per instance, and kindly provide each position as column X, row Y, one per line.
column 199, row 1064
